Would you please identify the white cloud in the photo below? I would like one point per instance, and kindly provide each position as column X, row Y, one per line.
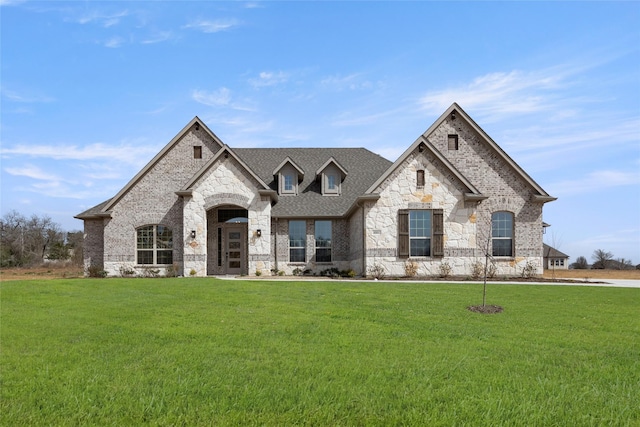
column 114, row 42
column 128, row 153
column 33, row 172
column 595, row 181
column 215, row 98
column 497, row 95
column 158, row 37
column 268, row 78
column 350, row 82
column 106, row 20
column 26, row 98
column 214, row 26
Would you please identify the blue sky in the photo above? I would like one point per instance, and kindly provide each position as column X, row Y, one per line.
column 91, row 91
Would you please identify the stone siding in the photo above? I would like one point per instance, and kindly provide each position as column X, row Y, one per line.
column 466, row 224
column 227, row 183
column 152, row 200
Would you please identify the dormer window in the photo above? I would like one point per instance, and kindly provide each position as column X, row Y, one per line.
column 331, row 175
column 288, row 175
column 288, row 186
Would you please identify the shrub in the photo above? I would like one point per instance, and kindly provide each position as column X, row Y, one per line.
column 151, row 272
column 173, row 270
column 127, row 271
column 477, row 270
column 529, row 270
column 96, row 271
column 376, row 271
column 258, row 273
column 410, row 268
column 297, row 272
column 193, row 272
column 445, row 269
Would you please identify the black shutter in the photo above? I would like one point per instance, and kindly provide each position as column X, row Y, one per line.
column 438, row 232
column 403, row 233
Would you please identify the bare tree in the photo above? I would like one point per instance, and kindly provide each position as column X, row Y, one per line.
column 26, row 241
column 601, row 258
column 580, row 264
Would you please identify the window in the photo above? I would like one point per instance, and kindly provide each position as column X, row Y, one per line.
column 420, row 233
column 154, row 244
column 453, row 142
column 420, row 178
column 297, row 241
column 197, row 151
column 288, row 184
column 331, row 182
column 502, row 233
column 323, row 241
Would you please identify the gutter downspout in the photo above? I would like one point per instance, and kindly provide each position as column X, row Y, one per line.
column 275, row 247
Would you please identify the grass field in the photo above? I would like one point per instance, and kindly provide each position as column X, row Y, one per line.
column 196, row 351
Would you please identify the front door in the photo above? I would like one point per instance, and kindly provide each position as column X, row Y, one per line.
column 234, row 248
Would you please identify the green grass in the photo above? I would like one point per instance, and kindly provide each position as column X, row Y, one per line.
column 210, row 352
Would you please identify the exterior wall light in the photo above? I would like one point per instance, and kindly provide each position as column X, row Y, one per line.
column 259, row 232
column 193, row 234
column 453, row 115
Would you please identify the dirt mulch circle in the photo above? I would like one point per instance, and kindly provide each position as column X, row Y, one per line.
column 485, row 309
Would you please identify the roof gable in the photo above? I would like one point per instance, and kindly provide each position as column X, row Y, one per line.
column 225, row 152
column 195, row 123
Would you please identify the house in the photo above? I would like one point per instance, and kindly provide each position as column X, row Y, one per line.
column 203, row 208
column 554, row 259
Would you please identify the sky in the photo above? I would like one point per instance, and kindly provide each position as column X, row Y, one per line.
column 91, row 91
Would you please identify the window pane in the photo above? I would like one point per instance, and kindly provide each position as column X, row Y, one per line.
column 331, row 182
column 145, row 237
column 297, row 234
column 296, row 255
column 165, row 257
column 420, row 247
column 323, row 234
column 288, row 183
column 145, row 257
column 502, row 224
column 420, row 223
column 323, row 241
column 502, row 247
column 164, row 238
column 323, row 255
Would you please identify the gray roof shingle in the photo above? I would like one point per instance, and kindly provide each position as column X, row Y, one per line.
column 363, row 169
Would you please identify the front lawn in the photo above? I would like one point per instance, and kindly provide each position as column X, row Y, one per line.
column 191, row 351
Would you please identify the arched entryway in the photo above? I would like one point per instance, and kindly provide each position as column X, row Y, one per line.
column 227, row 240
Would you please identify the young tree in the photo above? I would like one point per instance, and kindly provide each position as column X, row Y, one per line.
column 601, row 258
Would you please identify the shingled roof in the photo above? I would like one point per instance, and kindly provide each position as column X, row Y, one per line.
column 363, row 167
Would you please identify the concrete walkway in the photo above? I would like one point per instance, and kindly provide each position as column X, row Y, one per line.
column 612, row 283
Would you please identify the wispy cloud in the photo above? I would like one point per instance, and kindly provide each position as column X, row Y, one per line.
column 269, row 78
column 214, row 98
column 114, row 42
column 128, row 153
column 159, row 37
column 213, row 26
column 353, row 81
column 106, row 20
column 26, row 98
column 11, row 2
column 596, row 181
column 33, row 172
column 501, row 93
